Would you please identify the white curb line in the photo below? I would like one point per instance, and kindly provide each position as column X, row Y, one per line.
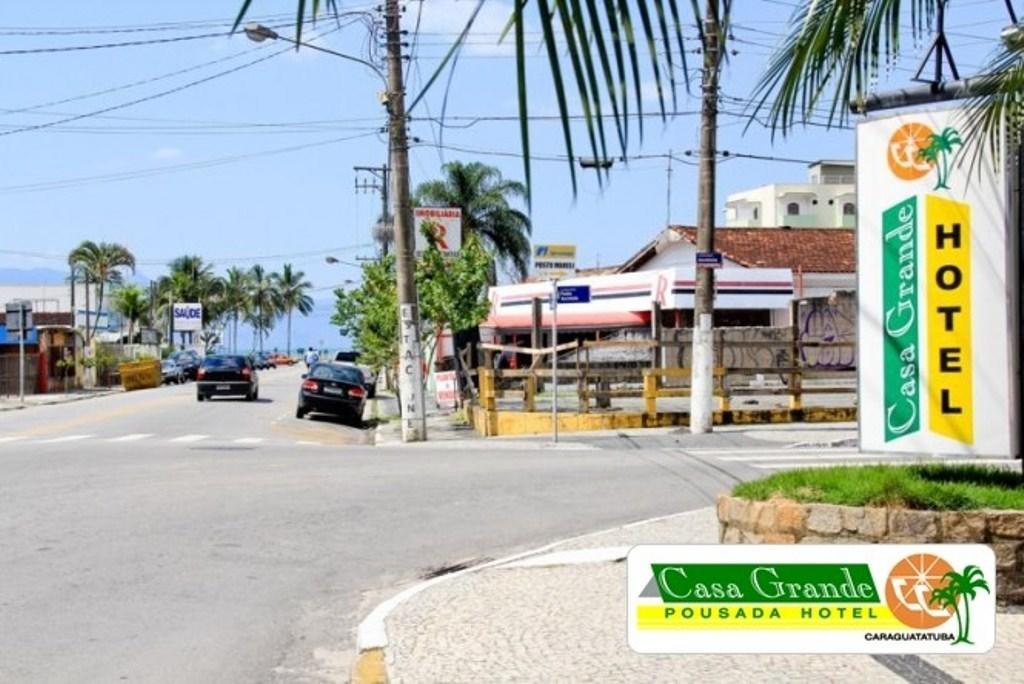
column 372, row 632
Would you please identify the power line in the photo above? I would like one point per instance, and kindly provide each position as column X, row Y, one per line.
column 230, row 259
column 174, row 168
column 105, row 46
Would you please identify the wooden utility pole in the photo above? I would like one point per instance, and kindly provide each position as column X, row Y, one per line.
column 410, row 365
column 702, row 378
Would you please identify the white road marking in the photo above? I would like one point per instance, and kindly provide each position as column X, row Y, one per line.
column 249, row 440
column 67, row 438
column 189, row 438
column 132, row 438
column 13, row 438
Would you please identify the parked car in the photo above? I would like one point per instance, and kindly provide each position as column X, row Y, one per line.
column 227, row 376
column 369, row 376
column 283, row 359
column 170, row 372
column 335, row 389
column 189, row 362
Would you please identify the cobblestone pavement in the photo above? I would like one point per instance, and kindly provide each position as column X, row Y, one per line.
column 567, row 623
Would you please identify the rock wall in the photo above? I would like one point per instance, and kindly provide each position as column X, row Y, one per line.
column 781, row 521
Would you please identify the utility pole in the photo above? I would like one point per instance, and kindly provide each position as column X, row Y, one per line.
column 668, row 190
column 381, row 174
column 410, row 364
column 702, row 373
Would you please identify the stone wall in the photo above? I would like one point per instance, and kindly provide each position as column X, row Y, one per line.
column 781, row 521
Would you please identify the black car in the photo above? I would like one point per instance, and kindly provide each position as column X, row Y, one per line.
column 224, row 376
column 335, row 389
column 189, row 362
column 369, row 376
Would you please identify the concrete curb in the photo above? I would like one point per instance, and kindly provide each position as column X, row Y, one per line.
column 371, row 634
column 82, row 397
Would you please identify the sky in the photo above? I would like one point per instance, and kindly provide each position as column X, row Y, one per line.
column 256, row 165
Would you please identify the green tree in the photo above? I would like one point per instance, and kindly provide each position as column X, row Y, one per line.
column 191, row 278
column 265, row 302
column 453, row 291
column 236, row 300
column 293, row 294
column 132, row 302
column 484, row 198
column 369, row 315
column 101, row 263
column 961, row 588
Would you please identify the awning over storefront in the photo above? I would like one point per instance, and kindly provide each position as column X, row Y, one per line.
column 624, row 300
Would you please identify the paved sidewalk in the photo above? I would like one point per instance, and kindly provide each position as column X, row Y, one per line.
column 13, row 404
column 524, row 622
column 441, row 425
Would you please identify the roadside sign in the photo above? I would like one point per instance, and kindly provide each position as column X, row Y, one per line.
column 573, row 294
column 445, row 225
column 188, row 316
column 552, row 262
column 19, row 316
column 446, row 388
column 709, row 260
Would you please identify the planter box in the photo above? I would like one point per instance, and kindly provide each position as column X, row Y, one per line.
column 140, row 374
column 781, row 521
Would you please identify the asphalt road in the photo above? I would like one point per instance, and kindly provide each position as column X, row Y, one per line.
column 147, row 537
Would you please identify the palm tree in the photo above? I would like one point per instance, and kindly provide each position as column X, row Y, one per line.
column 265, row 302
column 938, row 152
column 236, row 300
column 132, row 303
column 837, row 49
column 101, row 263
column 961, row 586
column 292, row 292
column 483, row 195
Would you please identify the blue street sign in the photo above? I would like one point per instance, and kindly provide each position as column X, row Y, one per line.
column 573, row 294
column 709, row 260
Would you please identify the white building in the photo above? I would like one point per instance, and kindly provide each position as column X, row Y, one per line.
column 827, row 200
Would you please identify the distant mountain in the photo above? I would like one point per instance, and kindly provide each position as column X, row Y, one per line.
column 50, row 276
column 32, row 276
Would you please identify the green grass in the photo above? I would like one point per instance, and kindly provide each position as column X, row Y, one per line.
column 922, row 487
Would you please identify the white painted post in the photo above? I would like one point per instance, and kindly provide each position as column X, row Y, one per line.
column 554, row 359
column 701, row 416
column 21, row 351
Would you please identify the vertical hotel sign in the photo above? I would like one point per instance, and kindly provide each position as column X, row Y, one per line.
column 932, row 286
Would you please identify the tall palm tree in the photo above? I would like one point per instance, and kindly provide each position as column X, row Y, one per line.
column 484, row 197
column 293, row 295
column 236, row 300
column 101, row 263
column 191, row 279
column 132, row 303
column 265, row 301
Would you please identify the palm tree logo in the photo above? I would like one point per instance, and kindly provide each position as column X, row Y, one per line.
column 938, row 153
column 960, row 585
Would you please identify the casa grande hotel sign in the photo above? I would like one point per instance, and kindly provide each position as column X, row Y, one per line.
column 774, row 598
column 935, row 362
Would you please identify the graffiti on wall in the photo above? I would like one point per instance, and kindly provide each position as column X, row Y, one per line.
column 833, row 321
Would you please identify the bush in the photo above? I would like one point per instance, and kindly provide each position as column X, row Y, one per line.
column 923, row 487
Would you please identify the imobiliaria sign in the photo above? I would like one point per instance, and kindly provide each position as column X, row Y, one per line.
column 886, row 598
column 932, row 289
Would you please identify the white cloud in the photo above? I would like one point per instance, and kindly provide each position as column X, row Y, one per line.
column 167, row 153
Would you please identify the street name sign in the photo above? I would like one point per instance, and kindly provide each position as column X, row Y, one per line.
column 709, row 260
column 935, row 365
column 573, row 294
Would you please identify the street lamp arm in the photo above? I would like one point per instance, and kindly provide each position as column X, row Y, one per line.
column 259, row 33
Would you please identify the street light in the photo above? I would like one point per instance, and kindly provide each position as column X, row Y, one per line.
column 259, row 33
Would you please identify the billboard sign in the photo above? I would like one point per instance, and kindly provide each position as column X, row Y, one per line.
column 935, row 365
column 188, row 317
column 445, row 225
column 446, row 389
column 19, row 316
column 552, row 262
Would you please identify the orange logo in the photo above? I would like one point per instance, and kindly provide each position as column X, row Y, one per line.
column 904, row 152
column 908, row 591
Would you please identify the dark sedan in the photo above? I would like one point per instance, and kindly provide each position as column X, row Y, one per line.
column 334, row 389
column 224, row 376
column 189, row 362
